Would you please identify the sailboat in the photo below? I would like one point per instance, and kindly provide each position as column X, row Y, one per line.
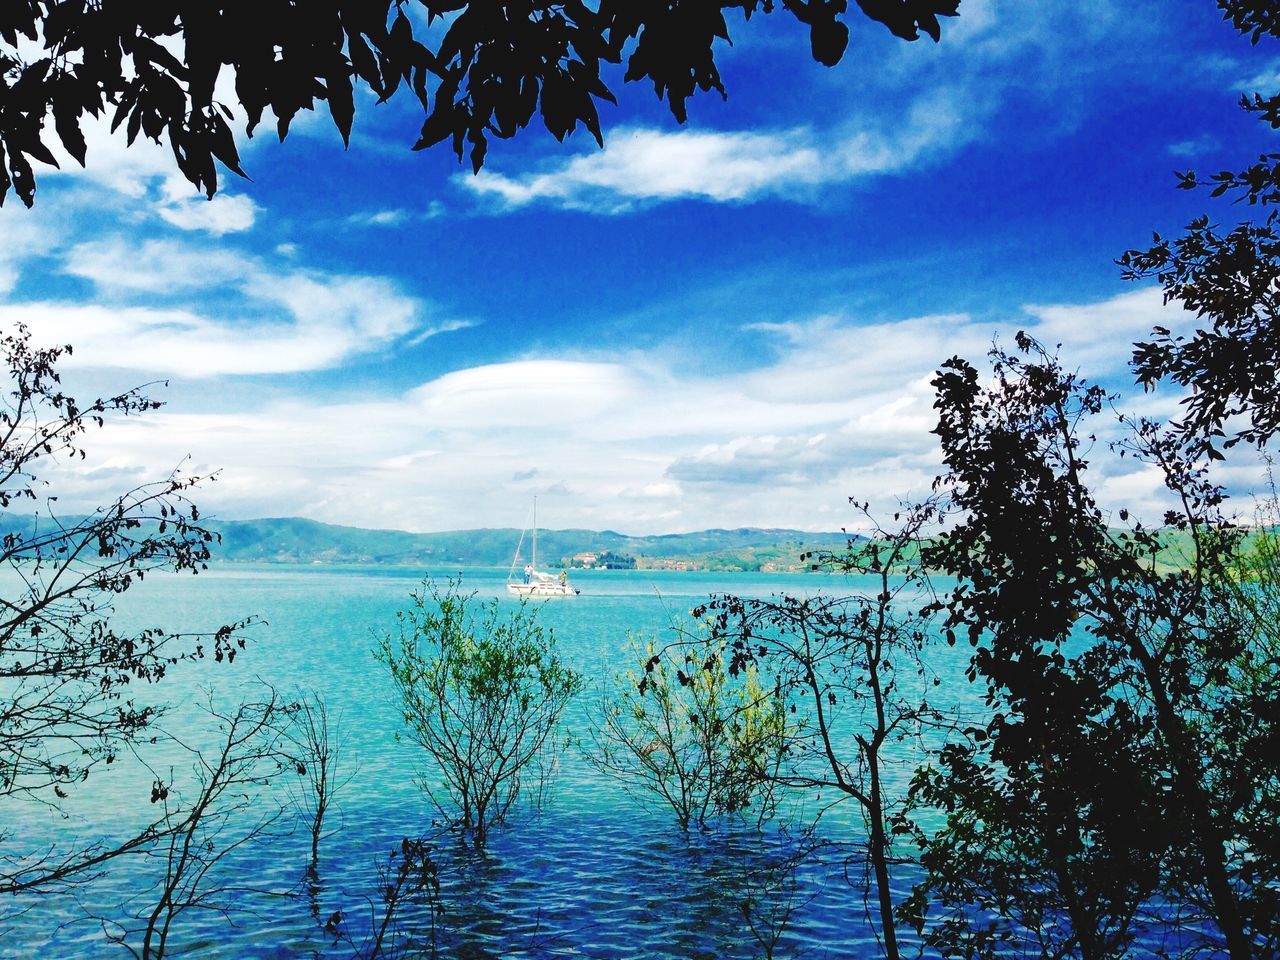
column 536, row 583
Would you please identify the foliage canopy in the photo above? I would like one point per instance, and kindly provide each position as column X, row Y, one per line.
column 476, row 68
column 1120, row 763
column 1227, row 278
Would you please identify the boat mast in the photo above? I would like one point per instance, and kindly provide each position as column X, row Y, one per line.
column 534, row 564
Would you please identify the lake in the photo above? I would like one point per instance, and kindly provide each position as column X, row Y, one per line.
column 596, row 874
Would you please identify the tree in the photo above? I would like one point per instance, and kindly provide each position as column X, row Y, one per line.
column 317, row 753
column 481, row 691
column 683, row 728
column 1115, row 768
column 67, row 675
column 851, row 670
column 769, row 894
column 476, row 68
column 408, row 876
column 226, row 808
column 1228, row 279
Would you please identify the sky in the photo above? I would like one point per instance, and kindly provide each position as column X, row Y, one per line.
column 728, row 323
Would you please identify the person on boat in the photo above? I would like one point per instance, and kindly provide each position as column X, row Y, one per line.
column 528, row 573
column 564, row 578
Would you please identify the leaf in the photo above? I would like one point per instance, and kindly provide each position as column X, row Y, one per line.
column 342, row 105
column 437, row 126
column 66, row 122
column 365, row 63
column 24, row 181
column 222, row 143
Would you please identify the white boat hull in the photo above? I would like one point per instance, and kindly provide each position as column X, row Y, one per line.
column 541, row 589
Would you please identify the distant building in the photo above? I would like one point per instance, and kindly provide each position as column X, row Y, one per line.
column 605, row 560
column 667, row 563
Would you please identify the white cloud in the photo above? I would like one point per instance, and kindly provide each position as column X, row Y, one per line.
column 131, row 170
column 1265, row 81
column 225, row 213
column 551, row 395
column 379, row 218
column 154, row 266
column 145, row 171
column 1100, row 336
column 24, row 237
column 843, row 409
column 641, row 166
column 170, row 307
column 397, row 217
column 1195, row 148
column 183, row 343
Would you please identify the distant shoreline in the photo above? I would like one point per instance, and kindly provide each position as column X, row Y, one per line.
column 299, row 541
column 652, row 565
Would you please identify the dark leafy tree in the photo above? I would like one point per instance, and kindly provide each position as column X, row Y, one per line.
column 851, row 672
column 71, row 684
column 1230, row 282
column 1114, row 772
column 1227, row 278
column 477, row 69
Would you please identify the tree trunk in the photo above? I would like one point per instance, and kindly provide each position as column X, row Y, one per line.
column 879, row 852
column 1190, row 786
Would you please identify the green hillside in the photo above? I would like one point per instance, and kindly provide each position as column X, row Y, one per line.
column 294, row 540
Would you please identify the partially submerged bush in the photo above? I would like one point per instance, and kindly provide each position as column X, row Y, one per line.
column 683, row 728
column 482, row 690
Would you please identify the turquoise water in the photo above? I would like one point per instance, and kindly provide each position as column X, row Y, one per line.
column 595, row 874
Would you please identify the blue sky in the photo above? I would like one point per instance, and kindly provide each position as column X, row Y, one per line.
column 729, row 323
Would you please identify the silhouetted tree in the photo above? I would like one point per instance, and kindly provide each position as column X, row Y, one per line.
column 769, row 894
column 71, row 684
column 476, row 68
column 1227, row 278
column 1116, row 764
column 226, row 808
column 850, row 670
column 317, row 752
column 409, row 876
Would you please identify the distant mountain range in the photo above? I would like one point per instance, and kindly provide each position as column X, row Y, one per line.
column 295, row 540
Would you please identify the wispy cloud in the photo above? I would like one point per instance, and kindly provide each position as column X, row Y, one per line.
column 24, row 238
column 1194, row 148
column 920, row 106
column 378, row 218
column 144, row 174
column 648, row 165
column 225, row 213
column 640, row 166
column 168, row 307
column 397, row 217
column 1099, row 336
column 1265, row 81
